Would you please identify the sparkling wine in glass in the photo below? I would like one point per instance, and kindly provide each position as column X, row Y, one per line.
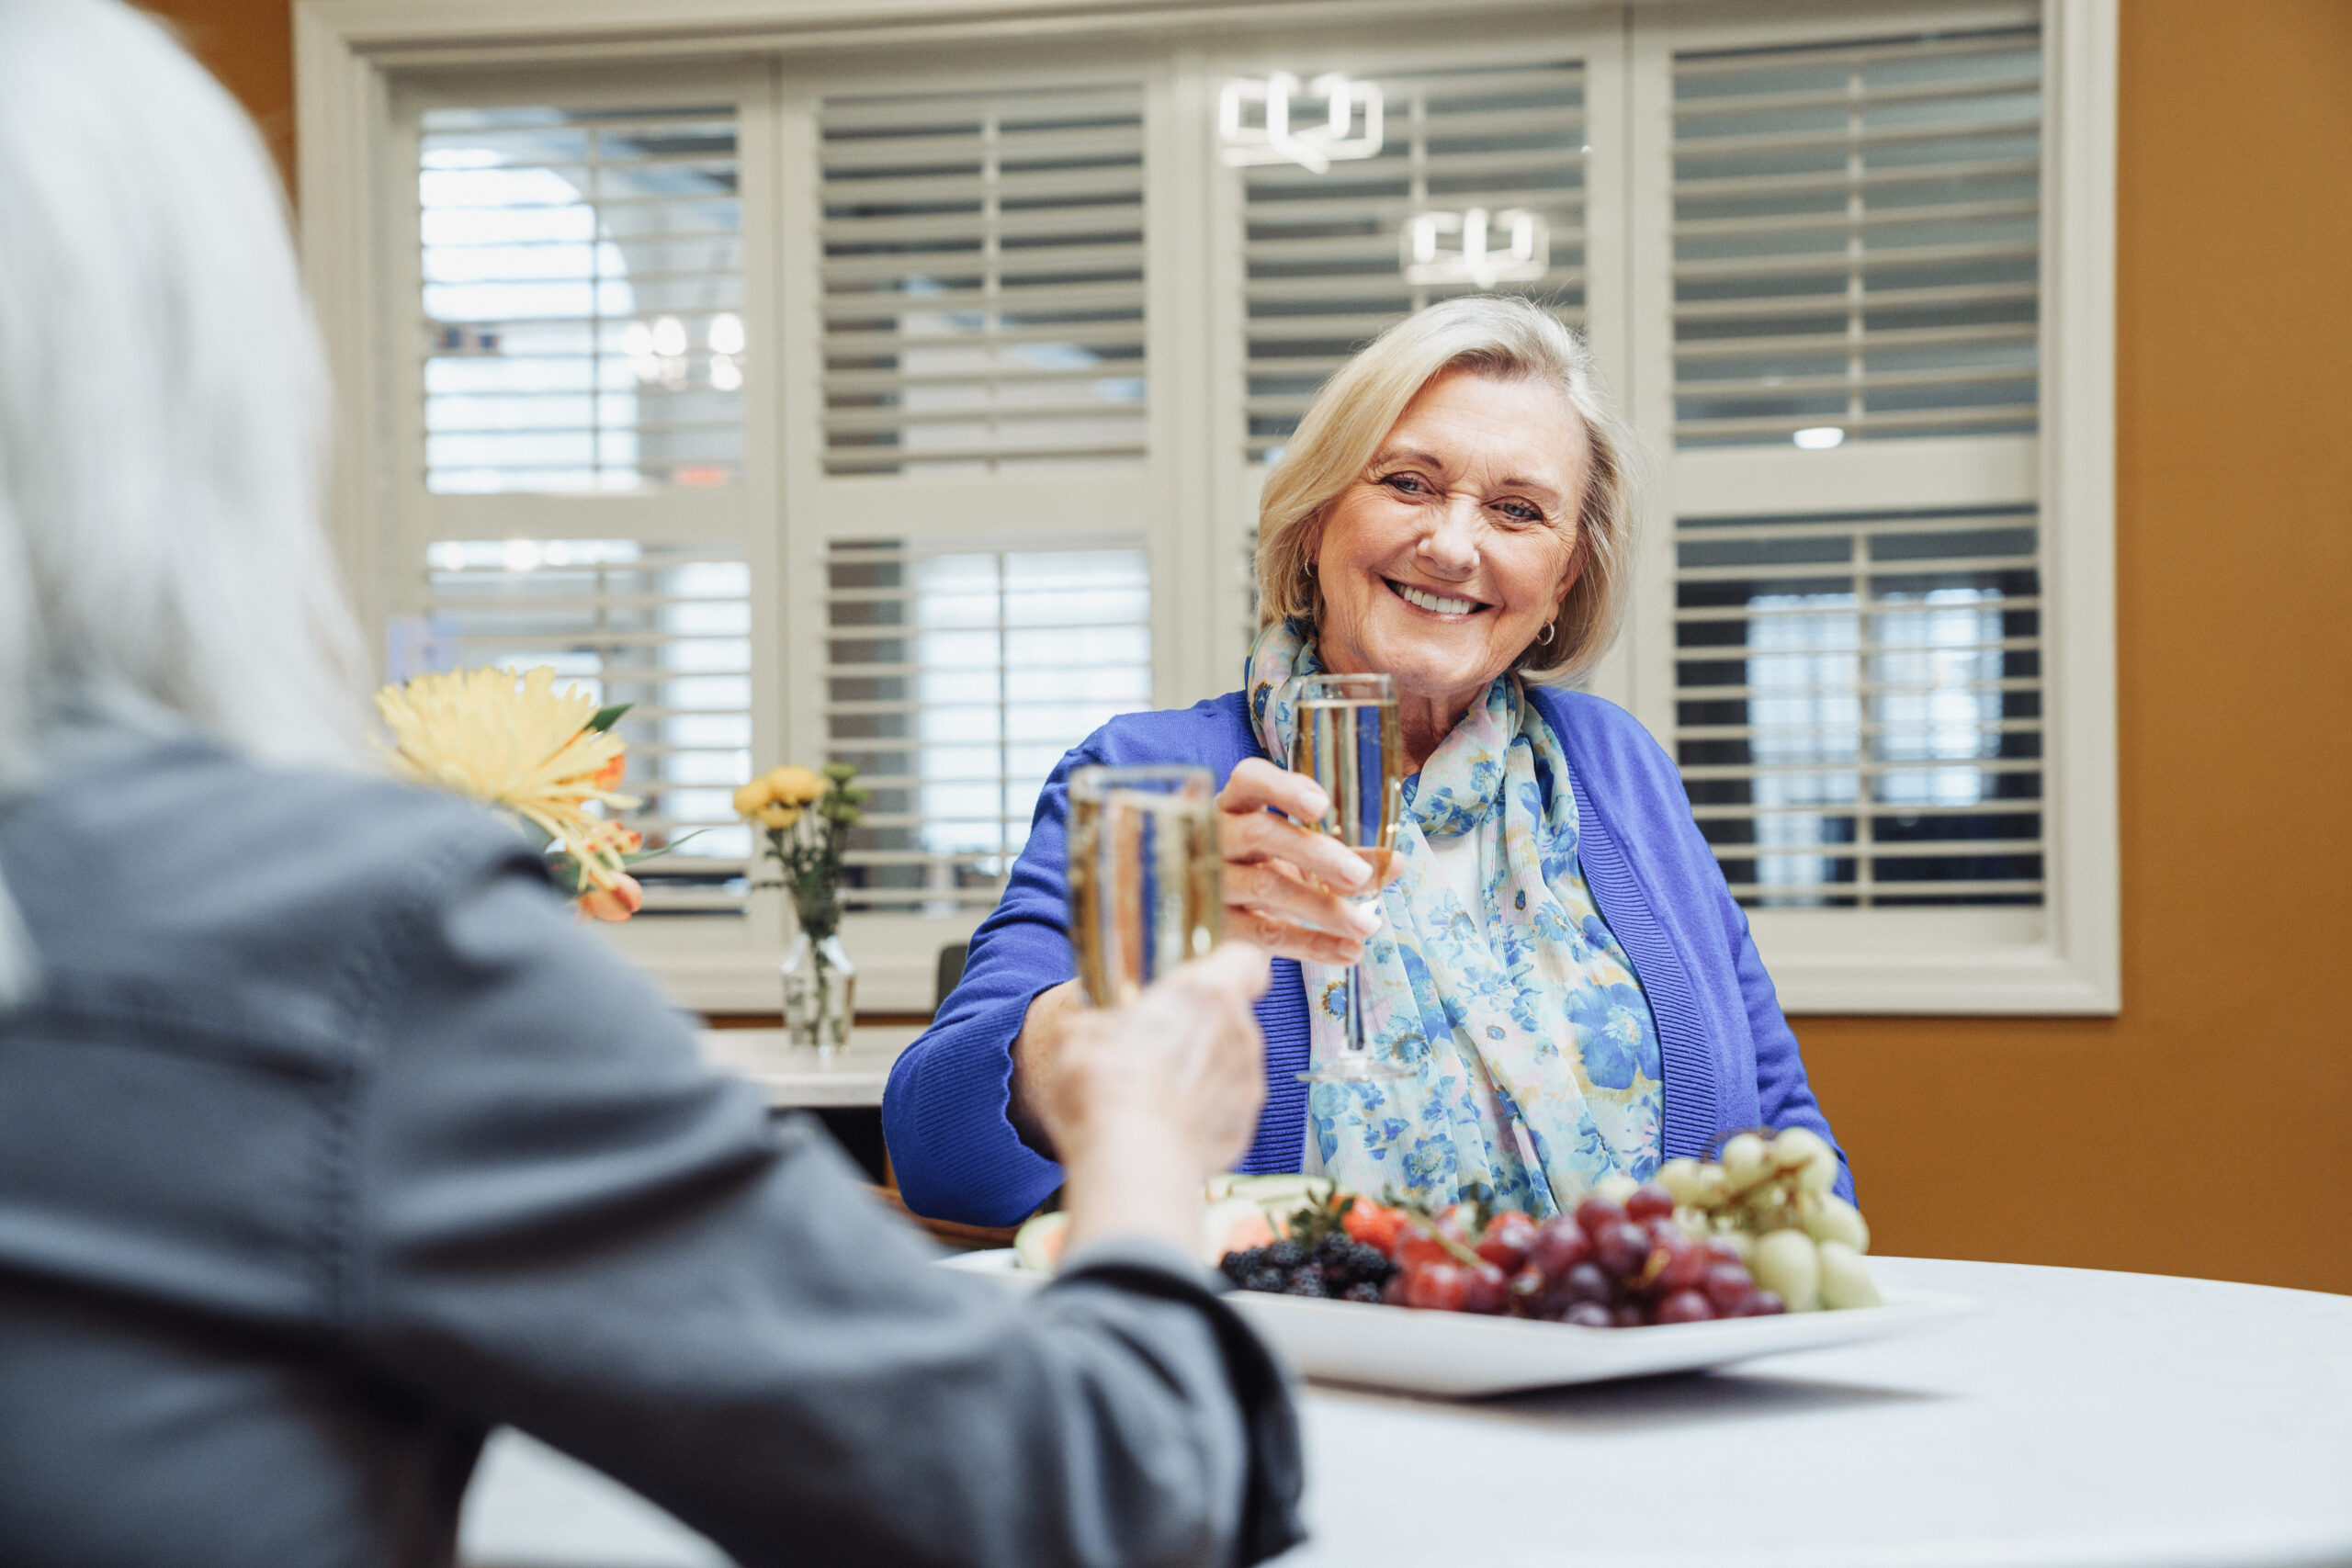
column 1147, row 876
column 1348, row 741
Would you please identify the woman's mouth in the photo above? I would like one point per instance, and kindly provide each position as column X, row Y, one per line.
column 1436, row 604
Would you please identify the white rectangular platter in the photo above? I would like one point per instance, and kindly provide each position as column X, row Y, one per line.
column 1458, row 1355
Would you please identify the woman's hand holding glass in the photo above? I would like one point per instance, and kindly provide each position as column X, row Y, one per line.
column 1294, row 892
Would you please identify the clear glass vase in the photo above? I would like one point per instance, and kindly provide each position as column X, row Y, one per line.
column 820, row 993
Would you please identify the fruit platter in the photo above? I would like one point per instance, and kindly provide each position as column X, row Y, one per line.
column 1709, row 1263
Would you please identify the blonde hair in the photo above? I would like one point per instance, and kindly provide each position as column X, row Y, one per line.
column 162, row 418
column 1501, row 336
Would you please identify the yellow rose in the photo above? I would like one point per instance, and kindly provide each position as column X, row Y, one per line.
column 794, row 785
column 751, row 797
column 776, row 816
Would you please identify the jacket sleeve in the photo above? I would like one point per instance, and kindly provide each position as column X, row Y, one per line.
column 557, row 1218
column 1784, row 1094
column 953, row 1147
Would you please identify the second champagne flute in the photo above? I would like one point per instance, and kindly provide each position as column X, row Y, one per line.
column 1348, row 741
column 1145, row 876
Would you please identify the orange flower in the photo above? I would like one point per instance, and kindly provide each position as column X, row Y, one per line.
column 618, row 902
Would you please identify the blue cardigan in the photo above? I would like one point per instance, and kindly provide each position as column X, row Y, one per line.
column 1730, row 1061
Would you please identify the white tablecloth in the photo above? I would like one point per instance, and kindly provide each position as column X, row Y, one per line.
column 2084, row 1419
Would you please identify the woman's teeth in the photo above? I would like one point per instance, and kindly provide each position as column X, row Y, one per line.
column 1431, row 602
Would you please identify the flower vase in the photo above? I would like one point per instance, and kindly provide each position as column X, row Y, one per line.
column 820, row 993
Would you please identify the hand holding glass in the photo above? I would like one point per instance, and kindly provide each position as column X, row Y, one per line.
column 1348, row 741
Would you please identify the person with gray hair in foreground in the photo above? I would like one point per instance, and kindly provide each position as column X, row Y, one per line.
column 328, row 1142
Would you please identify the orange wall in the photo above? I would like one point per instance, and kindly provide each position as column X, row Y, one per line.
column 2208, row 1130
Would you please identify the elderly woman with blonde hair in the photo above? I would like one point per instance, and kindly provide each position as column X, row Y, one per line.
column 1555, row 958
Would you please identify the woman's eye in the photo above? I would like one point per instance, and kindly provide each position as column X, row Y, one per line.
column 1520, row 512
column 1404, row 484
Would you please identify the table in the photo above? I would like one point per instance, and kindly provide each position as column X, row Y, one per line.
column 799, row 1078
column 2084, row 1420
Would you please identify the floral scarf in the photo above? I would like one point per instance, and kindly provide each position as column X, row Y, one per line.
column 1528, row 1029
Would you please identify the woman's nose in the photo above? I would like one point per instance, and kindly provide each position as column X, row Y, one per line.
column 1451, row 546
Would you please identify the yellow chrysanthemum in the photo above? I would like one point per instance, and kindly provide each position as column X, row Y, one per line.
column 525, row 747
column 776, row 816
column 793, row 784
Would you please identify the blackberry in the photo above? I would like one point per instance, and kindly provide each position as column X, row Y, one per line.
column 1286, row 1254
column 1369, row 1261
column 1333, row 1249
column 1239, row 1266
column 1305, row 1282
column 1267, row 1280
column 1365, row 1292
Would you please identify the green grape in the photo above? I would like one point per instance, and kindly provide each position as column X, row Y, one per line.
column 1616, row 1188
column 1788, row 1264
column 1809, row 1156
column 1828, row 1217
column 1845, row 1278
column 1746, row 1159
column 1684, row 1179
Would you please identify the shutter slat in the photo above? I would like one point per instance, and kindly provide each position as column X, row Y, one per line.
column 1321, row 260
column 650, row 250
column 1017, row 655
column 1063, row 164
column 651, row 624
column 1929, row 253
column 1881, row 688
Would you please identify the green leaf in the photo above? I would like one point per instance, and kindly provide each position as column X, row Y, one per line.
column 608, row 717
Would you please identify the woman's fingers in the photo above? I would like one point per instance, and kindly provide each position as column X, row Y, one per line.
column 1286, row 941
column 1271, row 887
column 1257, row 836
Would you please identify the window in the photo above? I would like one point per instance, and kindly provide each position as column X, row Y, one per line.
column 904, row 402
column 666, row 628
column 955, row 681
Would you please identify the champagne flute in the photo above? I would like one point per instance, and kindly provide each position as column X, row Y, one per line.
column 1147, row 876
column 1348, row 741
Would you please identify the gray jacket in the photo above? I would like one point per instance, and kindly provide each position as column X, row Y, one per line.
column 329, row 1143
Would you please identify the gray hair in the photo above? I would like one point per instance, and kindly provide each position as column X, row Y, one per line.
column 1489, row 334
column 162, row 419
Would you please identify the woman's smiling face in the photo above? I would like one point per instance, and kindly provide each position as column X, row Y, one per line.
column 1451, row 551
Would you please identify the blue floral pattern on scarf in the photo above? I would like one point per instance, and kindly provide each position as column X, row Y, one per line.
column 1520, row 1017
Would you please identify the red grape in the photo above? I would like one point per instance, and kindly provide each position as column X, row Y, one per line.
column 1625, row 1315
column 1686, row 1267
column 1649, row 1202
column 1435, row 1287
column 1723, row 1250
column 1508, row 1241
column 1560, row 1246
column 1685, row 1306
column 1591, row 1314
column 1597, row 1214
column 1418, row 1244
column 1586, row 1282
column 1460, row 1221
column 1728, row 1284
column 1393, row 1292
column 1485, row 1289
column 1759, row 1304
column 1620, row 1249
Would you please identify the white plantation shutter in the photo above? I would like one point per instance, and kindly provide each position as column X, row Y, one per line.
column 1322, row 252
column 665, row 627
column 982, row 279
column 582, row 297
column 955, row 678
column 1856, row 241
column 1858, row 705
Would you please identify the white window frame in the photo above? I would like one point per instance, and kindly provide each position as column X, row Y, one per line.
column 2064, row 958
